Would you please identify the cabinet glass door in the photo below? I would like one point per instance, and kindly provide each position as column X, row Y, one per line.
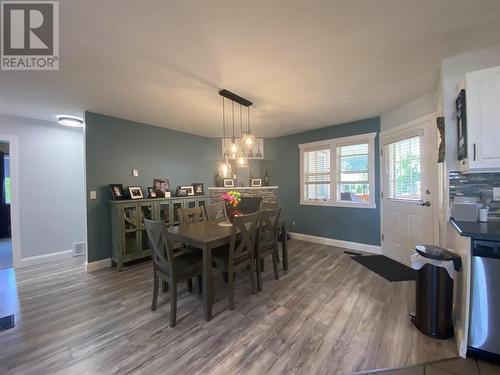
column 130, row 224
column 146, row 212
column 190, row 203
column 175, row 206
column 165, row 212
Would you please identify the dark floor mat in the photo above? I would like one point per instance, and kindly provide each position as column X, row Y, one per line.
column 386, row 267
column 352, row 253
column 6, row 322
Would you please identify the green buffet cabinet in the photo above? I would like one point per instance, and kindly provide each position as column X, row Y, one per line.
column 129, row 237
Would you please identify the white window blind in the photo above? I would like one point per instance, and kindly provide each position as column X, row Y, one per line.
column 352, row 173
column 403, row 166
column 317, row 176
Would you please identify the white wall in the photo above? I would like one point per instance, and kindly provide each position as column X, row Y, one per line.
column 51, row 184
column 411, row 111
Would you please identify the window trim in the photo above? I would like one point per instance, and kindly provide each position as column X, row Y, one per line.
column 333, row 144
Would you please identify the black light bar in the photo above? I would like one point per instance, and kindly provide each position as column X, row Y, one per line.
column 235, row 98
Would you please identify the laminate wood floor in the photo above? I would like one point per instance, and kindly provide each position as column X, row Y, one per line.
column 327, row 315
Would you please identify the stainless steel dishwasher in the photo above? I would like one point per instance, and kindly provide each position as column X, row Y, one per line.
column 484, row 327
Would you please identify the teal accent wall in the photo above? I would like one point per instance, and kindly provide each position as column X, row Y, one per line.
column 116, row 146
column 343, row 223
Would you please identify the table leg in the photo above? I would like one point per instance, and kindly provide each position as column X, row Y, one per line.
column 207, row 283
column 284, row 247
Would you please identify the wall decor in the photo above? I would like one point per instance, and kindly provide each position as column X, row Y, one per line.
column 198, row 188
column 135, row 192
column 228, row 182
column 189, row 189
column 117, row 191
column 161, row 186
column 151, row 192
column 256, row 182
column 181, row 192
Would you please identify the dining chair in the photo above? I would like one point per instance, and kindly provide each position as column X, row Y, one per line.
column 267, row 241
column 216, row 211
column 190, row 215
column 269, row 205
column 170, row 267
column 240, row 253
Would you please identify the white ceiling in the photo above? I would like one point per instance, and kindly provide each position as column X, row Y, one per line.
column 305, row 64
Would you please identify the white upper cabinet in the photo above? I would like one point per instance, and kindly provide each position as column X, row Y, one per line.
column 483, row 120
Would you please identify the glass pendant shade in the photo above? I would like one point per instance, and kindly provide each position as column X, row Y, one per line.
column 248, row 140
column 224, row 169
column 234, row 147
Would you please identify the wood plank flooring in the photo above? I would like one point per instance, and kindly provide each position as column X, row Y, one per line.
column 327, row 315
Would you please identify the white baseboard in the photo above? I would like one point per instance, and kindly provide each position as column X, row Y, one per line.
column 339, row 243
column 39, row 259
column 98, row 265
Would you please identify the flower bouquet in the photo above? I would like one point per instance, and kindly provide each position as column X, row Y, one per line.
column 231, row 200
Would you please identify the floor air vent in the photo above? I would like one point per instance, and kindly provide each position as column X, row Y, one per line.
column 79, row 248
column 6, row 322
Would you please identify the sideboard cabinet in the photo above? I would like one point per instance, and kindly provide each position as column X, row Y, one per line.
column 129, row 237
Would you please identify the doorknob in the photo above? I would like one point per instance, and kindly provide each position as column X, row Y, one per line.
column 424, row 204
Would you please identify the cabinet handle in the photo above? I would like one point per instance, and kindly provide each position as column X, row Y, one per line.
column 474, row 151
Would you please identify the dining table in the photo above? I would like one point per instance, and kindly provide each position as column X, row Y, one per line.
column 209, row 235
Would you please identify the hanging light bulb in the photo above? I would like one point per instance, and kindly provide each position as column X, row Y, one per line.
column 234, row 144
column 224, row 167
column 248, row 139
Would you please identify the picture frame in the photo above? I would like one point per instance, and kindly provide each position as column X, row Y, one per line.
column 117, row 192
column 228, row 182
column 161, row 186
column 181, row 192
column 135, row 192
column 151, row 193
column 189, row 189
column 256, row 182
column 198, row 188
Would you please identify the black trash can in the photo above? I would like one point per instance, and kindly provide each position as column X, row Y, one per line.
column 434, row 291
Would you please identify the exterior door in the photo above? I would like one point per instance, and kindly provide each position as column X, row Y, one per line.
column 409, row 188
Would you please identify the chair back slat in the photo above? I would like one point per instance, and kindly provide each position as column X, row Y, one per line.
column 216, row 211
column 268, row 228
column 161, row 246
column 246, row 225
column 190, row 215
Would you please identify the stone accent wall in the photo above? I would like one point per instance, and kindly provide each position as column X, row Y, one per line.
column 478, row 185
column 268, row 195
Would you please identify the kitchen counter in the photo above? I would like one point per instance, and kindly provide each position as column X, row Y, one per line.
column 489, row 231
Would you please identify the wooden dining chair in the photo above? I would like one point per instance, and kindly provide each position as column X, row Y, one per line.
column 267, row 241
column 240, row 253
column 170, row 267
column 216, row 211
column 190, row 215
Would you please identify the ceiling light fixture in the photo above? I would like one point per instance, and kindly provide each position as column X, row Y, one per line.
column 224, row 168
column 71, row 121
column 248, row 139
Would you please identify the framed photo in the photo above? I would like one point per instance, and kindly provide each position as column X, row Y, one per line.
column 181, row 192
column 117, row 191
column 151, row 192
column 198, row 188
column 189, row 189
column 161, row 187
column 228, row 182
column 256, row 182
column 135, row 192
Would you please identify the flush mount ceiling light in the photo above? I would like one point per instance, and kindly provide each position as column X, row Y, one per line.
column 71, row 121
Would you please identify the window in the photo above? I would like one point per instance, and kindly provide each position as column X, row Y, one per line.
column 6, row 181
column 403, row 166
column 339, row 172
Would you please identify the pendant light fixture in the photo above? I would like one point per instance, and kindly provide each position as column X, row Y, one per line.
column 224, row 168
column 234, row 144
column 242, row 160
column 248, row 139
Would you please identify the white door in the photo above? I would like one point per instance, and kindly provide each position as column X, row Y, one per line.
column 409, row 188
column 483, row 118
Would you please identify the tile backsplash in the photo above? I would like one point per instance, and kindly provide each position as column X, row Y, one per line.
column 477, row 185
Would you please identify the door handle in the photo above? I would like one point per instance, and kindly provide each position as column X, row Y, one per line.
column 424, row 204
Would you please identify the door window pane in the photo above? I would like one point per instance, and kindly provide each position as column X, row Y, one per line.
column 403, row 166
column 6, row 181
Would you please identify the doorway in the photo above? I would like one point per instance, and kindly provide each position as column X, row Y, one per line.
column 409, row 212
column 6, row 260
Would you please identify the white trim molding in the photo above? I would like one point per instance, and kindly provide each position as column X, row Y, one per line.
column 97, row 265
column 338, row 243
column 45, row 258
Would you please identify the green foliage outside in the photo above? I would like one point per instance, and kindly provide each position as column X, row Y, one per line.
column 7, row 189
